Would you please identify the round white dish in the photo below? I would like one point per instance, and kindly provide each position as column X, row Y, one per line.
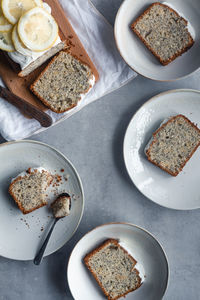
column 139, row 243
column 21, row 236
column 181, row 192
column 139, row 58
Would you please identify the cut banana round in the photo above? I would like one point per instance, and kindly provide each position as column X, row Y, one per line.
column 37, row 29
column 14, row 9
column 6, row 41
column 4, row 24
column 19, row 46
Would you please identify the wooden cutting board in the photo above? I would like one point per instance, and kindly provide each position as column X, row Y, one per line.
column 20, row 86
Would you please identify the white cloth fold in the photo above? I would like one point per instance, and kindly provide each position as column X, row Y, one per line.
column 97, row 36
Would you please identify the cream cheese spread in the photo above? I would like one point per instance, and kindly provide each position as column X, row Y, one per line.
column 61, row 206
column 92, row 82
column 140, row 269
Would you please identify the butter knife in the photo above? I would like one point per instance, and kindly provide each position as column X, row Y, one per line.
column 27, row 108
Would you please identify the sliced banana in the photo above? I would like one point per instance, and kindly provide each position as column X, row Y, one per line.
column 37, row 29
column 14, row 9
column 5, row 26
column 6, row 43
column 19, row 46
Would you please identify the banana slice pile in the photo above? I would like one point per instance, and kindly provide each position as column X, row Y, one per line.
column 26, row 26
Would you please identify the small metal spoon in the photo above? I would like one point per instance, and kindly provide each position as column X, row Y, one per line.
column 38, row 259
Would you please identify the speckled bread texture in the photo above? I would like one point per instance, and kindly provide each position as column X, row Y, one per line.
column 113, row 269
column 62, row 82
column 42, row 59
column 29, row 191
column 163, row 32
column 173, row 144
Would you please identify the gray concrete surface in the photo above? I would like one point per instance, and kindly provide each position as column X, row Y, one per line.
column 92, row 139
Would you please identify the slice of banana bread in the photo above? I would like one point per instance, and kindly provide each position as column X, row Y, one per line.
column 113, row 269
column 28, row 189
column 173, row 144
column 163, row 32
column 64, row 82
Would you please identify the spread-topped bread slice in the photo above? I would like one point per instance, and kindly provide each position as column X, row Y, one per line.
column 173, row 144
column 63, row 83
column 113, row 269
column 163, row 32
column 28, row 189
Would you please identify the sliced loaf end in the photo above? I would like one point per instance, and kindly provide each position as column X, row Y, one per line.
column 42, row 59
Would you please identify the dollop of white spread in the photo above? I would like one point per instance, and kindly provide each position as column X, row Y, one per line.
column 91, row 82
column 138, row 266
column 61, row 207
column 25, row 60
column 140, row 269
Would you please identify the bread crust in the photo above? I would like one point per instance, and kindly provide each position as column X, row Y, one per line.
column 46, row 103
column 155, row 140
column 42, row 59
column 18, row 202
column 178, row 53
column 96, row 250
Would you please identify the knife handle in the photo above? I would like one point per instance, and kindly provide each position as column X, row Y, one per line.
column 44, row 119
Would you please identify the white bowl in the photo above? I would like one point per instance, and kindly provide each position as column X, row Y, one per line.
column 139, row 243
column 180, row 192
column 139, row 58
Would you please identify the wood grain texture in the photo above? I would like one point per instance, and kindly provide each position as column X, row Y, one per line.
column 27, row 108
column 20, row 86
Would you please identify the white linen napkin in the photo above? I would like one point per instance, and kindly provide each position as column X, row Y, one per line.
column 97, row 36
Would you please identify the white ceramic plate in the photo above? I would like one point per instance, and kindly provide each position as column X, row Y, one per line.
column 139, row 58
column 181, row 192
column 21, row 235
column 138, row 242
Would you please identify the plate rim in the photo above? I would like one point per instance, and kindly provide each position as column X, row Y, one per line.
column 79, row 181
column 132, row 225
column 155, row 97
column 119, row 50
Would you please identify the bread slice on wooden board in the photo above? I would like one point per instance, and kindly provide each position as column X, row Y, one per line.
column 173, row 144
column 20, row 86
column 163, row 31
column 28, row 189
column 113, row 269
column 42, row 59
column 63, row 82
